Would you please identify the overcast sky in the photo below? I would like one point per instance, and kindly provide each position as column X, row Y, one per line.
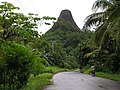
column 80, row 9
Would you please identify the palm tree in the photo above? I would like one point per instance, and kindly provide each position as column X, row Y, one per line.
column 104, row 20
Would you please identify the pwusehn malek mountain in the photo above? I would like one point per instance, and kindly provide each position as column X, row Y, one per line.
column 65, row 31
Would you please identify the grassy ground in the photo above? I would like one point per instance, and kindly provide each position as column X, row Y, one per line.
column 42, row 80
column 115, row 77
column 112, row 76
column 39, row 82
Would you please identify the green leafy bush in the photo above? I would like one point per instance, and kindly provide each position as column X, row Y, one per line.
column 15, row 65
column 86, row 70
column 37, row 67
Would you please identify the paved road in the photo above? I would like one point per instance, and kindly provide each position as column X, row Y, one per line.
column 79, row 81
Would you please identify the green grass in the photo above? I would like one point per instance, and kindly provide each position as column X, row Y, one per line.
column 42, row 80
column 86, row 70
column 113, row 76
column 39, row 82
column 53, row 70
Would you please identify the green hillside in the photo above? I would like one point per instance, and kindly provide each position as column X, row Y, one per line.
column 66, row 35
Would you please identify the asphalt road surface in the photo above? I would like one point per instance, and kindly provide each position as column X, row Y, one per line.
column 79, row 81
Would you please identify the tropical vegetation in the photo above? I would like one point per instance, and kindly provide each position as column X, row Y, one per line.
column 28, row 60
column 21, row 48
column 106, row 37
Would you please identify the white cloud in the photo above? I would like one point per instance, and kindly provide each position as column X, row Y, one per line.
column 79, row 8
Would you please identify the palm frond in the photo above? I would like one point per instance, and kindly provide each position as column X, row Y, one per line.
column 101, row 4
column 113, row 2
column 115, row 14
column 104, row 41
column 99, row 33
column 95, row 19
column 108, row 23
column 112, row 32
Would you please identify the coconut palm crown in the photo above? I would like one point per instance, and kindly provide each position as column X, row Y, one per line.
column 107, row 17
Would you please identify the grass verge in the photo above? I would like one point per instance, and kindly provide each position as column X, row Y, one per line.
column 42, row 80
column 38, row 82
column 112, row 76
column 115, row 77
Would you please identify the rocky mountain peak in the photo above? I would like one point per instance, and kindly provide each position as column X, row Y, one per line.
column 67, row 16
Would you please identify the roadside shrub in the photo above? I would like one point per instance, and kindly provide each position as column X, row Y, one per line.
column 52, row 70
column 86, row 70
column 37, row 67
column 15, row 65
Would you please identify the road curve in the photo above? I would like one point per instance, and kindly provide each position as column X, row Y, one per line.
column 79, row 81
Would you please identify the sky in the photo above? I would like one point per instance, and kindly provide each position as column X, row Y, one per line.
column 80, row 9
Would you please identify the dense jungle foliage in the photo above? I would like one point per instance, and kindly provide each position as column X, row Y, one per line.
column 107, row 35
column 71, row 40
